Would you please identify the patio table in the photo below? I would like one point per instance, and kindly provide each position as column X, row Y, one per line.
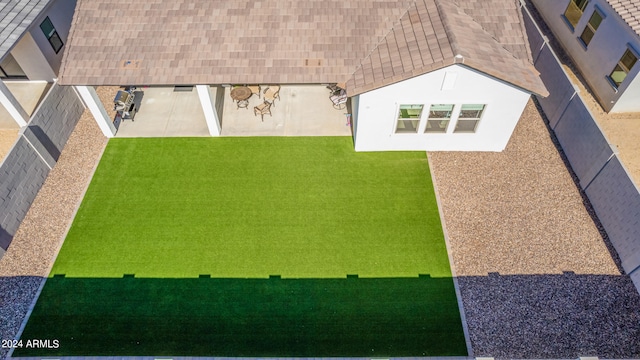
column 241, row 94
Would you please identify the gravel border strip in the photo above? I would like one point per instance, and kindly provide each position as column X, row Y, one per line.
column 29, row 259
column 537, row 275
column 463, row 316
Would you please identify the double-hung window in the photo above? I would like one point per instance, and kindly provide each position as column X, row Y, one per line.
column 51, row 34
column 439, row 117
column 590, row 29
column 470, row 115
column 621, row 70
column 574, row 11
column 409, row 118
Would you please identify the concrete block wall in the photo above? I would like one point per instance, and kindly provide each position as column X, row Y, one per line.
column 611, row 191
column 582, row 141
column 561, row 90
column 618, row 208
column 22, row 174
column 58, row 114
column 36, row 151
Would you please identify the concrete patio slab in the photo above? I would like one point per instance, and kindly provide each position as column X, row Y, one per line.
column 29, row 94
column 301, row 110
column 165, row 113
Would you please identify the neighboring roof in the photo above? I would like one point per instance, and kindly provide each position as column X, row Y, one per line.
column 366, row 43
column 16, row 17
column 629, row 10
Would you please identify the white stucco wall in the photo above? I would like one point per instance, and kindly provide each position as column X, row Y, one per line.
column 60, row 13
column 629, row 101
column 377, row 112
column 34, row 53
column 31, row 59
column 596, row 61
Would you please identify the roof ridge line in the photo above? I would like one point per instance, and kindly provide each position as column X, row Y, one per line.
column 520, row 4
column 452, row 37
column 72, row 31
column 453, row 41
column 382, row 38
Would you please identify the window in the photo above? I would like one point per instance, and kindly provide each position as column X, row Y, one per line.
column 590, row 29
column 409, row 118
column 469, row 118
column 439, row 116
column 623, row 67
column 573, row 13
column 51, row 34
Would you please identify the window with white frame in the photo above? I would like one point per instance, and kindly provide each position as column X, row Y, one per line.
column 439, row 117
column 591, row 28
column 51, row 34
column 409, row 118
column 574, row 11
column 470, row 115
column 621, row 70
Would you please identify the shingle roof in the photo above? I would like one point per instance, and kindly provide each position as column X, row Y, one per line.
column 503, row 20
column 371, row 42
column 16, row 17
column 223, row 41
column 629, row 10
column 432, row 32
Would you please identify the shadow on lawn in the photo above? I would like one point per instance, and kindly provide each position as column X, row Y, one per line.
column 247, row 317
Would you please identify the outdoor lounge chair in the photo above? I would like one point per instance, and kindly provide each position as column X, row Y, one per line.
column 264, row 108
column 272, row 93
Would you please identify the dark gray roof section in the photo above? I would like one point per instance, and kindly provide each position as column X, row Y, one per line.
column 16, row 17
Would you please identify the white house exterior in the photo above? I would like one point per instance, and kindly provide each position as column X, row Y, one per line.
column 444, row 90
column 386, row 54
column 34, row 53
column 603, row 39
column 32, row 44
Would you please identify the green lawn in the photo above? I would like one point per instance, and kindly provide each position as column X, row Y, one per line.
column 254, row 207
column 252, row 247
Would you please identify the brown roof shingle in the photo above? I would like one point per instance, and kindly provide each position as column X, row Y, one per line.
column 495, row 45
column 226, row 41
column 370, row 43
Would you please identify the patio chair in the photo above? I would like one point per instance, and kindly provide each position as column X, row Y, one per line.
column 255, row 89
column 339, row 99
column 272, row 93
column 262, row 109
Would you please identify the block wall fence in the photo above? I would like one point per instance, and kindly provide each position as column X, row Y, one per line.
column 609, row 187
column 34, row 153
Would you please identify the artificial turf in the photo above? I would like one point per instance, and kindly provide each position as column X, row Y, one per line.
column 254, row 207
column 247, row 317
column 252, row 247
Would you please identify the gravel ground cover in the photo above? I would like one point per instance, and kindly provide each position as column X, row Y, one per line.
column 516, row 223
column 33, row 249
